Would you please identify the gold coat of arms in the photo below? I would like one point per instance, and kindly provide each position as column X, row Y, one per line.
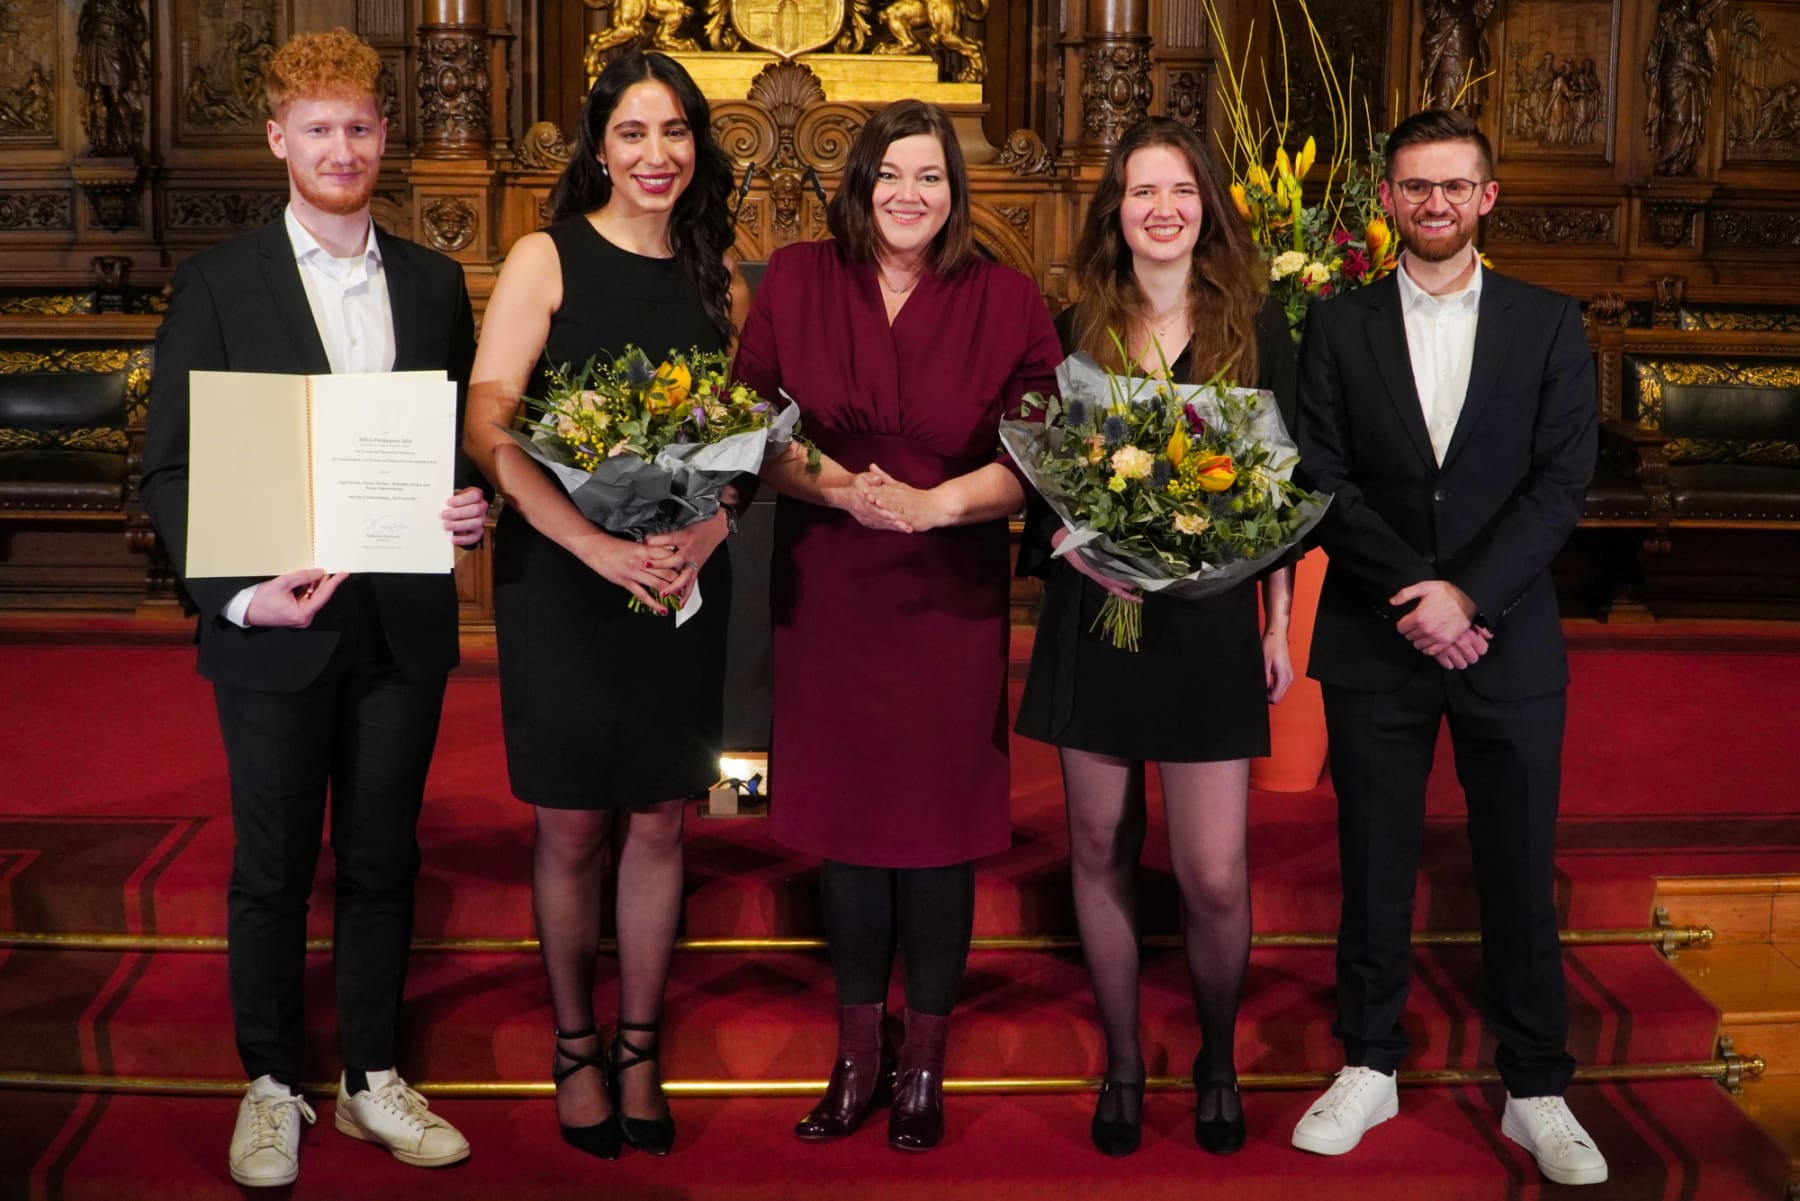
column 787, row 27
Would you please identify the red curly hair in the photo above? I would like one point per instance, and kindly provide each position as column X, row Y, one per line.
column 322, row 66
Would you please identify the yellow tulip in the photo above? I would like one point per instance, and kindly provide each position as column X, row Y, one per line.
column 1375, row 236
column 1178, row 447
column 669, row 388
column 1283, row 168
column 1308, row 152
column 1259, row 178
column 1217, row 473
column 1241, row 200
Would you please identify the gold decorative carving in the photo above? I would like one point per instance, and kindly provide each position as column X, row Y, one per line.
column 1515, row 223
column 1765, row 321
column 133, row 361
column 542, row 149
column 629, row 18
column 36, row 210
column 450, row 223
column 1026, row 154
column 1453, row 54
column 1765, row 89
column 939, row 23
column 59, row 305
column 112, row 68
column 1678, row 73
column 786, row 27
column 103, row 439
column 1652, row 376
column 230, row 54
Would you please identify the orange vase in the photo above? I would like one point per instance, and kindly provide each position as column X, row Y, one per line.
column 1297, row 725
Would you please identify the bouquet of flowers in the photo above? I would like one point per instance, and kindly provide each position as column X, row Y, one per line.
column 1341, row 240
column 1179, row 489
column 646, row 448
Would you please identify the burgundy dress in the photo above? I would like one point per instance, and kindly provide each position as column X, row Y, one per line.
column 889, row 745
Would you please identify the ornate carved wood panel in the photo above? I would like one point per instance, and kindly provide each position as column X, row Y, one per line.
column 222, row 48
column 29, row 57
column 1558, row 80
column 1354, row 36
column 1762, row 123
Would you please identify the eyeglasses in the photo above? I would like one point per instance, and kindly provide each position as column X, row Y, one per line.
column 1418, row 191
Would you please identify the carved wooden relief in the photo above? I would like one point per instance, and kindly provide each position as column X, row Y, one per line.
column 223, row 48
column 112, row 69
column 1754, row 229
column 451, row 223
column 28, row 69
column 453, row 92
column 229, row 211
column 36, row 210
column 1763, row 122
column 1355, row 36
column 1557, row 83
column 1558, row 225
column 1115, row 89
column 1455, row 55
column 1678, row 74
column 1184, row 95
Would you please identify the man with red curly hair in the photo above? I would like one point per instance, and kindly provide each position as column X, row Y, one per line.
column 325, row 684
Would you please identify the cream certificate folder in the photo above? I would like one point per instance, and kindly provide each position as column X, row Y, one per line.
column 341, row 472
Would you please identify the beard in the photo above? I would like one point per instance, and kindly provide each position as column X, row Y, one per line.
column 1440, row 249
column 339, row 202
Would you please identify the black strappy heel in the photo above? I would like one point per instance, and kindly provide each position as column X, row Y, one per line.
column 602, row 1139
column 655, row 1135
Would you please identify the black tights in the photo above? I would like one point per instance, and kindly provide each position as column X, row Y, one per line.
column 928, row 911
column 1206, row 805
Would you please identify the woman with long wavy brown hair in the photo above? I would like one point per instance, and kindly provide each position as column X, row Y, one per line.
column 1167, row 271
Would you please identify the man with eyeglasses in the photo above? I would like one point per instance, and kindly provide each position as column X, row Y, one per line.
column 1451, row 412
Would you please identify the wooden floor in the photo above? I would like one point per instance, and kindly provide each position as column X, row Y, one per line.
column 1751, row 971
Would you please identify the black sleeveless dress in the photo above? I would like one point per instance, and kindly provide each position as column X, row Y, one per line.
column 604, row 707
column 1193, row 692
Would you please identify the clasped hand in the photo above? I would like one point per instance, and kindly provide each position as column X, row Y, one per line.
column 1440, row 623
column 881, row 502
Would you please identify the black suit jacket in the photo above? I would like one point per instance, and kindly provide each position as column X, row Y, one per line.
column 240, row 306
column 1490, row 520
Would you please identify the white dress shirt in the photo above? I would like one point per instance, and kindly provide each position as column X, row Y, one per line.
column 349, row 302
column 1440, row 339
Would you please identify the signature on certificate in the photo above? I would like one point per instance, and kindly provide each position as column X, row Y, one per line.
column 387, row 526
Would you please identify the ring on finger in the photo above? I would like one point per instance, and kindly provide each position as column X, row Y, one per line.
column 690, row 563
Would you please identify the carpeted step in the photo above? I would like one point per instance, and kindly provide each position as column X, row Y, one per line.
column 771, row 1016
column 1664, row 1140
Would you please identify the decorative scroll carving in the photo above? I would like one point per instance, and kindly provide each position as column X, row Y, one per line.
column 936, row 27
column 1018, row 216
column 1186, row 98
column 224, row 90
column 112, row 66
column 224, row 210
column 1608, row 308
column 1115, row 89
column 1554, row 225
column 450, row 223
column 36, row 210
column 1765, row 91
column 1453, row 54
column 1755, row 229
column 542, row 149
column 629, row 21
column 1678, row 73
column 1026, row 154
column 786, row 89
column 453, row 92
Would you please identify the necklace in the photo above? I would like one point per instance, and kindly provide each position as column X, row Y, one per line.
column 904, row 288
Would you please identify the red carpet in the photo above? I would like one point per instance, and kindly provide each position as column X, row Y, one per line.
column 113, row 818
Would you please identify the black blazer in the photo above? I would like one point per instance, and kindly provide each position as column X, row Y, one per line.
column 1490, row 520
column 240, row 306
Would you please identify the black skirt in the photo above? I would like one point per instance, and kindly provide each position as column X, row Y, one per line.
column 1192, row 692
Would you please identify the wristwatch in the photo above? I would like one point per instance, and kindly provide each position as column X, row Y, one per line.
column 731, row 519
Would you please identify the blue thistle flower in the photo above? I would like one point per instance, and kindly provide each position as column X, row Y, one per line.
column 1161, row 473
column 1114, row 429
column 1078, row 413
column 638, row 369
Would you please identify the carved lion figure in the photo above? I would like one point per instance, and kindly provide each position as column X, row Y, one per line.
column 941, row 21
column 628, row 20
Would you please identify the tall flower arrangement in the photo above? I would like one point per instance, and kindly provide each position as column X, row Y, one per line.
column 1340, row 239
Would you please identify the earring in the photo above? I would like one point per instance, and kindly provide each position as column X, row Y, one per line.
column 604, row 171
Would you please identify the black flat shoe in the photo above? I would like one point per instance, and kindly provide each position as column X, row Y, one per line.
column 1219, row 1134
column 600, row 1140
column 1118, row 1126
column 655, row 1135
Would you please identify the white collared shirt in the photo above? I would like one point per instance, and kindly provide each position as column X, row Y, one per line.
column 349, row 301
column 1440, row 339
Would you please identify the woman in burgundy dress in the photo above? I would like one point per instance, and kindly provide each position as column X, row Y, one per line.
column 903, row 348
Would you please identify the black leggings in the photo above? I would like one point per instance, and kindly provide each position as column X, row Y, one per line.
column 929, row 912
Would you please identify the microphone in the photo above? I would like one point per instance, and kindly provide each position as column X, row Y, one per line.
column 743, row 191
column 811, row 179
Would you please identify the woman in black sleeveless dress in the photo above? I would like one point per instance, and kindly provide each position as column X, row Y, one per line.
column 1164, row 261
column 612, row 717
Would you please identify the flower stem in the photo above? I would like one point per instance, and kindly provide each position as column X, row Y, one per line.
column 1123, row 622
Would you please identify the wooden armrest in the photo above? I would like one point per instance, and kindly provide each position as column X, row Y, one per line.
column 1633, row 433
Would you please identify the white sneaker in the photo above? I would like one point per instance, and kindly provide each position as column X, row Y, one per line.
column 1359, row 1099
column 394, row 1116
column 1545, row 1127
column 265, row 1145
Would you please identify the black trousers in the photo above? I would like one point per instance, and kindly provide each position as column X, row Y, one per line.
column 363, row 733
column 1508, row 760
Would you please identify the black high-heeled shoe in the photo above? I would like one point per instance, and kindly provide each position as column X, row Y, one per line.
column 1219, row 1134
column 655, row 1135
column 1119, row 1135
column 602, row 1138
